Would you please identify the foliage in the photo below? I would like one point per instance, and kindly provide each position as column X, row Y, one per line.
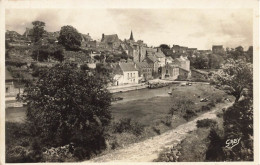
column 200, row 61
column 238, row 123
column 164, row 46
column 180, row 106
column 104, row 70
column 215, row 151
column 215, row 61
column 249, row 54
column 15, row 63
column 84, row 67
column 237, row 75
column 206, row 123
column 70, row 38
column 38, row 30
column 127, row 125
column 45, row 52
column 68, row 105
column 189, row 114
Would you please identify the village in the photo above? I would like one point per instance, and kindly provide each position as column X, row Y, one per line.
column 70, row 98
column 134, row 65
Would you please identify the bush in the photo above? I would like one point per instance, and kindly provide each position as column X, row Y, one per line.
column 211, row 104
column 157, row 130
column 220, row 114
column 127, row 125
column 205, row 108
column 219, row 100
column 167, row 121
column 206, row 123
column 189, row 114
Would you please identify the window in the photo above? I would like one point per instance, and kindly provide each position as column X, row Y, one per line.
column 128, row 75
column 131, row 74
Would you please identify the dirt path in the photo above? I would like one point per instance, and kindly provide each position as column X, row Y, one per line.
column 148, row 150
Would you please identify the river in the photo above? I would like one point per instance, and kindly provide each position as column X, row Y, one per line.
column 135, row 103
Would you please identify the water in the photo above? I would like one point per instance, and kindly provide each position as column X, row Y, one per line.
column 144, row 94
column 18, row 114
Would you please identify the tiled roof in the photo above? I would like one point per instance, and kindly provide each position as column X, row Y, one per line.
column 110, row 38
column 159, row 54
column 183, row 69
column 143, row 65
column 152, row 58
column 127, row 67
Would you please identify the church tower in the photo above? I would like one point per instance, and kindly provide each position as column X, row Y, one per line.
column 131, row 36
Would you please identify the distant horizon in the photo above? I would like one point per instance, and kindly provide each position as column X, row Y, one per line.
column 193, row 28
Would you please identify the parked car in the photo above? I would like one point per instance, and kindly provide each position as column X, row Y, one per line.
column 204, row 100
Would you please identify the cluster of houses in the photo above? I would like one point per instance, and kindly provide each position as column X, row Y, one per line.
column 146, row 63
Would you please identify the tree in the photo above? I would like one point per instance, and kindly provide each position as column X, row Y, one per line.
column 201, row 61
column 215, row 61
column 70, row 38
column 249, row 54
column 37, row 34
column 84, row 67
column 45, row 52
column 237, row 75
column 38, row 30
column 164, row 46
column 68, row 105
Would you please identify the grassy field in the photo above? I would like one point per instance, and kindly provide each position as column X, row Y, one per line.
column 148, row 111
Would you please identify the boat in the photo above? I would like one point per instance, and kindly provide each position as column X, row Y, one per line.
column 170, row 93
column 116, row 99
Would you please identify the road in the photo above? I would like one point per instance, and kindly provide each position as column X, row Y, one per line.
column 148, row 150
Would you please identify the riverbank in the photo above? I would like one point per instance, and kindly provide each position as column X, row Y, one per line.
column 148, row 150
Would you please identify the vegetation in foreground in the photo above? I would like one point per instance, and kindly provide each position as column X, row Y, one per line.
column 229, row 139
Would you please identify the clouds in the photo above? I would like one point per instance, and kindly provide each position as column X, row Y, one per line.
column 189, row 27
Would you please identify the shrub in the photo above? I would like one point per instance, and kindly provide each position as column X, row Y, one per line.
column 211, row 104
column 220, row 114
column 156, row 130
column 127, row 125
column 219, row 100
column 189, row 114
column 206, row 123
column 167, row 121
column 205, row 108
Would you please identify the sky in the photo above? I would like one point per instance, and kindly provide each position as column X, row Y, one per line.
column 195, row 28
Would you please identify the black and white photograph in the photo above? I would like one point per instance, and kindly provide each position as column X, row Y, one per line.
column 129, row 84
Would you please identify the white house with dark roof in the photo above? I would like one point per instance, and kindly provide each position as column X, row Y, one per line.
column 125, row 73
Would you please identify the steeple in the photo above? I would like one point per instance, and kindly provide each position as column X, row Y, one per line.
column 131, row 36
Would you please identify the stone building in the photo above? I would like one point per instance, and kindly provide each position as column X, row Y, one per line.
column 179, row 68
column 218, row 49
column 135, row 49
column 145, row 70
column 110, row 41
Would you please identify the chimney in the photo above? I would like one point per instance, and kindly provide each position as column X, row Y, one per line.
column 103, row 35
